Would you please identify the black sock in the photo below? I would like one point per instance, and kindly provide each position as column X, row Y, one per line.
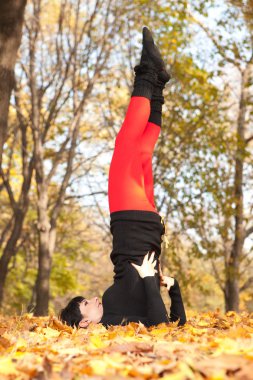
column 145, row 81
column 157, row 99
column 156, row 103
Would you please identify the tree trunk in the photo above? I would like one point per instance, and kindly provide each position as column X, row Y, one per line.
column 232, row 291
column 44, row 268
column 44, row 259
column 232, row 270
column 11, row 21
column 47, row 239
column 19, row 213
column 9, row 249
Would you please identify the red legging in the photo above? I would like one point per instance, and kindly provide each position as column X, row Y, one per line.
column 130, row 177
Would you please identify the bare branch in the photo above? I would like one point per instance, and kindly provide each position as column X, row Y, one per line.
column 220, row 49
column 248, row 232
column 86, row 195
column 6, row 230
column 99, row 208
column 247, row 284
column 217, row 276
column 57, row 159
column 9, row 190
column 249, row 139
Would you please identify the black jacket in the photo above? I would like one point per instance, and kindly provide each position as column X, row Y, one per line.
column 136, row 232
column 156, row 311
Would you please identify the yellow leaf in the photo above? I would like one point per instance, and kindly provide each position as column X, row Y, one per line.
column 50, row 333
column 21, row 344
column 115, row 360
column 98, row 366
column 97, row 342
column 7, row 366
column 203, row 323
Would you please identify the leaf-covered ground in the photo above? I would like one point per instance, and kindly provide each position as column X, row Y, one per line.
column 210, row 346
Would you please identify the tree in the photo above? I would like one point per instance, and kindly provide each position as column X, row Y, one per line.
column 17, row 202
column 204, row 160
column 11, row 21
column 79, row 54
column 68, row 55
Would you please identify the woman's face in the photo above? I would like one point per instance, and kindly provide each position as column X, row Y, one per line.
column 92, row 309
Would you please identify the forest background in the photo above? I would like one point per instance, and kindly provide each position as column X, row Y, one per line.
column 66, row 74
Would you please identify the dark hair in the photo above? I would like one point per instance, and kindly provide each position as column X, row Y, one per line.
column 71, row 314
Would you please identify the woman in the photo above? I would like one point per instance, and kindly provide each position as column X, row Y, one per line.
column 136, row 225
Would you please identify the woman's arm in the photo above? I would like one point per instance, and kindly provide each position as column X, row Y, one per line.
column 156, row 310
column 177, row 310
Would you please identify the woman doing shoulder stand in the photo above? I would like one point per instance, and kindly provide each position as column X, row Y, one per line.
column 136, row 226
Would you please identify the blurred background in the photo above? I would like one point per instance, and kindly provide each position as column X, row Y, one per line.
column 66, row 75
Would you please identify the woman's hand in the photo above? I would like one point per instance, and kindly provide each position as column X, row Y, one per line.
column 165, row 280
column 148, row 266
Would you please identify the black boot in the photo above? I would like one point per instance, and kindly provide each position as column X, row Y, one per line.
column 151, row 68
column 153, row 57
column 151, row 51
column 146, row 72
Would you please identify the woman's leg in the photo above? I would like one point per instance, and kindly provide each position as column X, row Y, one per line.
column 148, row 141
column 126, row 176
column 130, row 185
column 151, row 134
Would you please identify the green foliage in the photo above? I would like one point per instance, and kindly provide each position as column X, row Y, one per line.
column 19, row 286
column 63, row 276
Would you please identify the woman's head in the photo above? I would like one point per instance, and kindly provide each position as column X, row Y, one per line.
column 80, row 312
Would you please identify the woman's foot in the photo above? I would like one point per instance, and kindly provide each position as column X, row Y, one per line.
column 151, row 72
column 151, row 51
column 163, row 76
column 151, row 56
